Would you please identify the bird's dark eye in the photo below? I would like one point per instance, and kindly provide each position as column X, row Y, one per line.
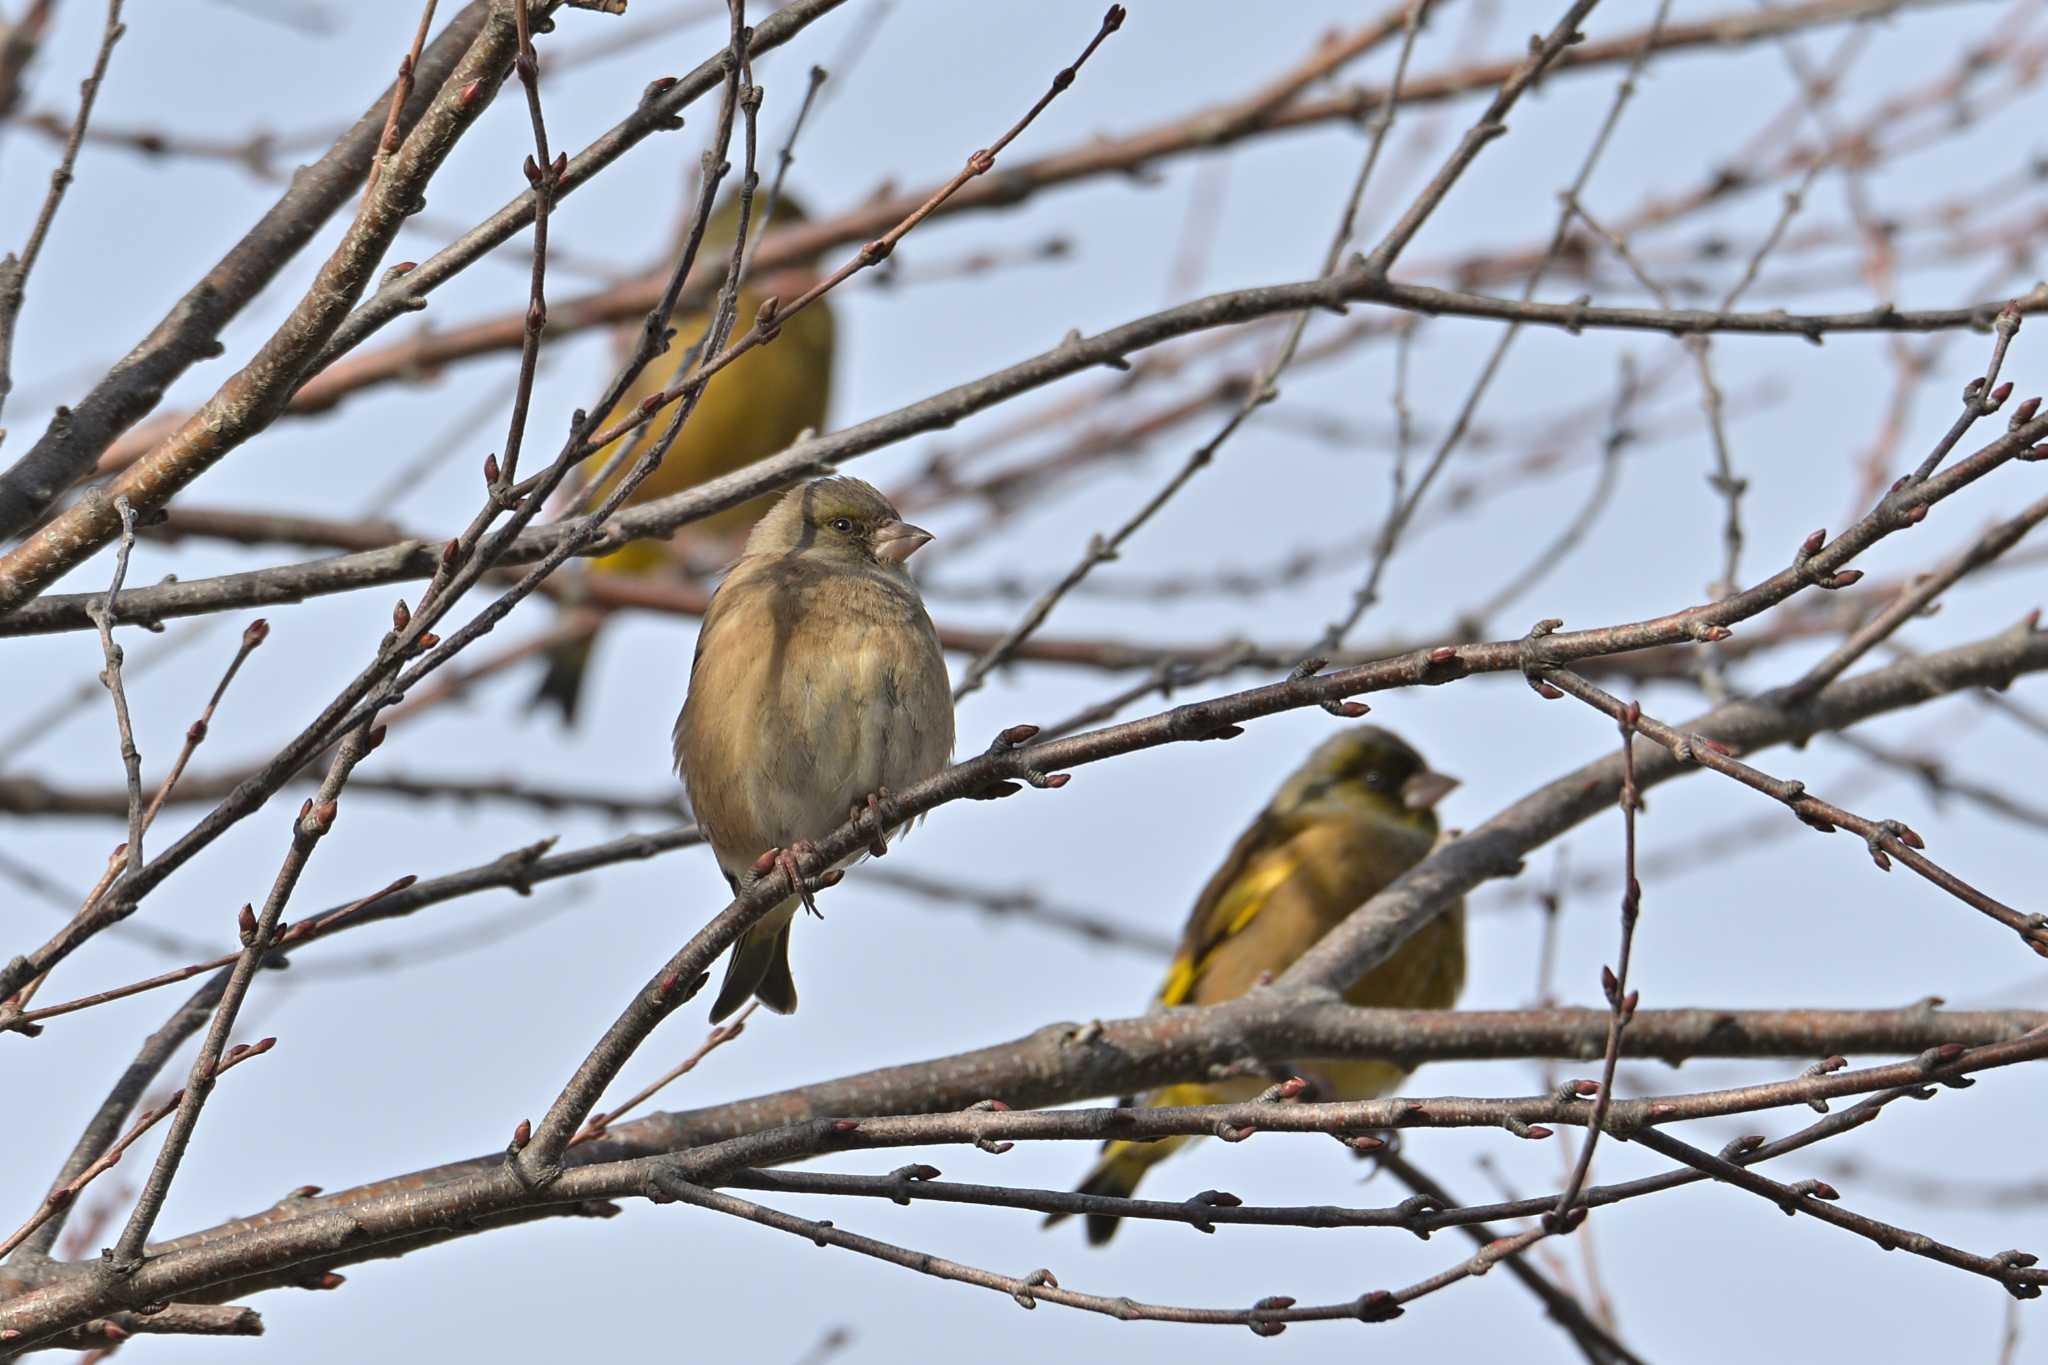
column 842, row 524
column 1376, row 779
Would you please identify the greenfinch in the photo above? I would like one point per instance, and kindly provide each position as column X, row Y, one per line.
column 753, row 408
column 818, row 686
column 1356, row 815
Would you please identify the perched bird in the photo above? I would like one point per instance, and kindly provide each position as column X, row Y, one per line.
column 818, row 686
column 753, row 408
column 1356, row 815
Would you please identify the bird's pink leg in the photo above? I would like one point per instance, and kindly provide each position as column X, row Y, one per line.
column 785, row 859
column 871, row 810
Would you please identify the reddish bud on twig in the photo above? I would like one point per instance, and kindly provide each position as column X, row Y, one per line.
column 2023, row 414
column 2000, row 394
column 845, row 1125
column 401, row 615
column 245, row 923
column 1352, row 710
column 470, row 92
column 256, row 633
column 1811, row 545
column 1442, row 654
column 1378, row 1306
column 491, row 468
column 1271, row 1304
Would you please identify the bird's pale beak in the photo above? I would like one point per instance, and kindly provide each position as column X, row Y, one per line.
column 897, row 541
column 1425, row 789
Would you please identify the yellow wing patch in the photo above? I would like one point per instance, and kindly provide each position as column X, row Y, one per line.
column 1240, row 905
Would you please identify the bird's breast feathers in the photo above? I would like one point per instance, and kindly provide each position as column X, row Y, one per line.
column 808, row 693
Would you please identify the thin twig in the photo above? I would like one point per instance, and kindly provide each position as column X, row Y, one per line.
column 253, row 635
column 14, row 270
column 1268, row 1317
column 1621, row 1001
column 1886, row 840
column 1258, row 392
column 1488, row 127
column 110, row 678
column 1596, row 1342
column 401, row 91
column 64, row 1194
column 260, row 932
column 713, row 1040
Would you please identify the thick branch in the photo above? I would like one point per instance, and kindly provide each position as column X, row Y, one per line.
column 190, row 332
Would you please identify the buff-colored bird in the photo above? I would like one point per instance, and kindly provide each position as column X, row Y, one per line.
column 753, row 408
column 818, row 684
column 1356, row 815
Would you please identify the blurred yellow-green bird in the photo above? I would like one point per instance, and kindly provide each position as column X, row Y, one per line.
column 753, row 408
column 1356, row 815
column 817, row 685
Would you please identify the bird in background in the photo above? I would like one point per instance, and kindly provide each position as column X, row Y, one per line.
column 818, row 687
column 1356, row 815
column 753, row 408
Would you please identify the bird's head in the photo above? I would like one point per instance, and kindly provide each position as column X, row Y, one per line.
column 724, row 223
column 837, row 520
column 1365, row 769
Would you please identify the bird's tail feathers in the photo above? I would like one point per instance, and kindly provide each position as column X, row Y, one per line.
column 759, row 968
column 561, row 686
column 1117, row 1174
